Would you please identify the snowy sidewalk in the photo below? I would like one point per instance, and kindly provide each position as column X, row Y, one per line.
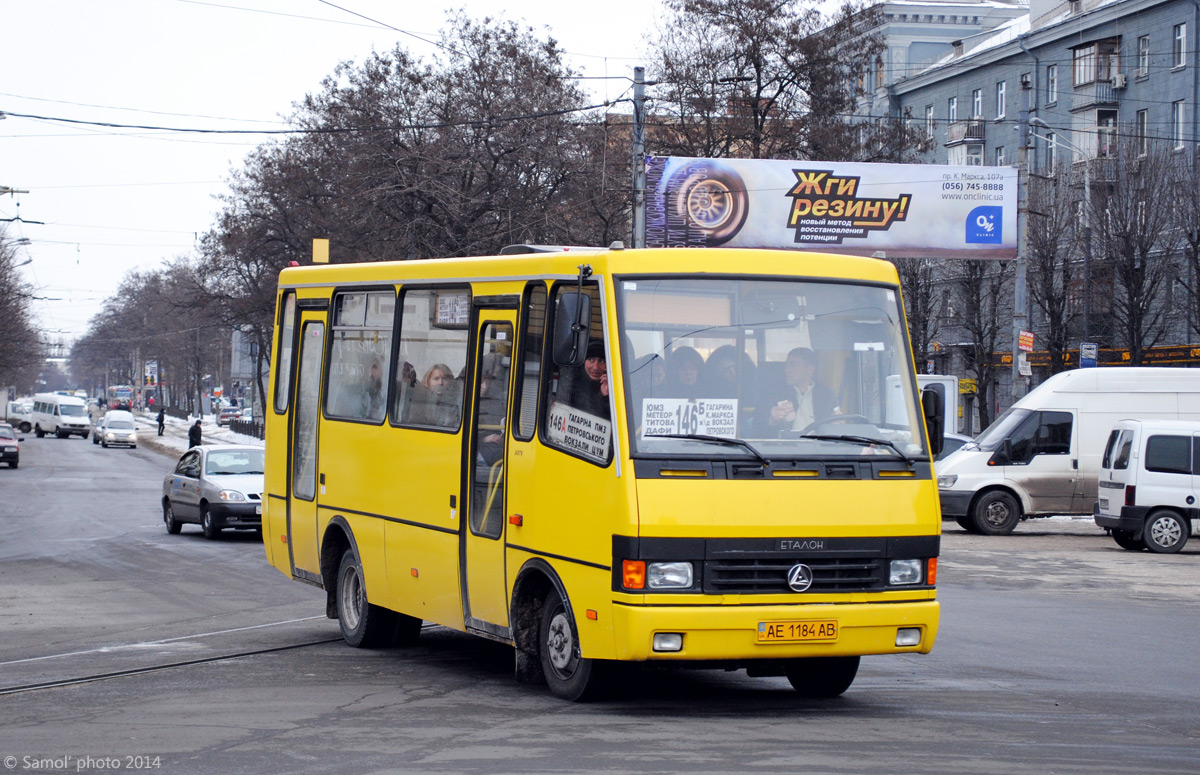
column 174, row 441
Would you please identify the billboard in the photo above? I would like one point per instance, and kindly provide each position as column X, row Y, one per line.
column 903, row 210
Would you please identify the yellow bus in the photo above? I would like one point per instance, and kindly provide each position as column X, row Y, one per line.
column 709, row 457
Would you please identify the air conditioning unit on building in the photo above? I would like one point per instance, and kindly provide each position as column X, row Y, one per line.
column 1119, row 81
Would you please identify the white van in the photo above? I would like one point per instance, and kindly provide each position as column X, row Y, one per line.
column 1042, row 456
column 19, row 414
column 61, row 415
column 1149, row 483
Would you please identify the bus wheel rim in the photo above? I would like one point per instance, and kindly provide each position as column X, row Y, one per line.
column 351, row 588
column 560, row 643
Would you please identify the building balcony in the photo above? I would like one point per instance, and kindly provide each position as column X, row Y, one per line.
column 970, row 131
column 1093, row 95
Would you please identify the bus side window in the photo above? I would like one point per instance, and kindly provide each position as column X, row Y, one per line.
column 433, row 346
column 533, row 336
column 576, row 410
column 359, row 356
column 283, row 367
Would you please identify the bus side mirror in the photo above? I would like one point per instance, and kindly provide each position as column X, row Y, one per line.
column 572, row 319
column 934, row 409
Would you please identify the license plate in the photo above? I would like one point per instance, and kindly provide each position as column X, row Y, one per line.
column 258, row 510
column 1104, row 503
column 791, row 632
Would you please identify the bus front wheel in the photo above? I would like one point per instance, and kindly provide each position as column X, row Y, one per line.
column 568, row 674
column 822, row 678
column 363, row 624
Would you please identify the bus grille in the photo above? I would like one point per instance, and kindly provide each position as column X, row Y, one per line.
column 831, row 574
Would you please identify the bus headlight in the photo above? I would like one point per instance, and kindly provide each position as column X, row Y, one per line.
column 905, row 572
column 948, row 480
column 669, row 575
column 231, row 495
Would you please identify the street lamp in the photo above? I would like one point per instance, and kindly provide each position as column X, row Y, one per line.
column 1085, row 219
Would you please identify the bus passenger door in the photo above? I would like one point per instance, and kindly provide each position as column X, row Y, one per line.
column 303, row 473
column 486, row 587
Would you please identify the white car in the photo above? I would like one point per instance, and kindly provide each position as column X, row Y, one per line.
column 119, row 430
column 1146, row 496
column 216, row 486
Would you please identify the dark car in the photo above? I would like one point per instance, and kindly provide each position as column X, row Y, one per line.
column 10, row 448
column 216, row 487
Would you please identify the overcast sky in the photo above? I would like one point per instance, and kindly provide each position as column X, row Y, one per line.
column 111, row 200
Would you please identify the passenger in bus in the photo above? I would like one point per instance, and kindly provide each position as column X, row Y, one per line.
column 438, row 400
column 373, row 396
column 406, row 381
column 802, row 400
column 587, row 387
column 731, row 373
column 683, row 372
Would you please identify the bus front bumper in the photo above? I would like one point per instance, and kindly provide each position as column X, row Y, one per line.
column 731, row 632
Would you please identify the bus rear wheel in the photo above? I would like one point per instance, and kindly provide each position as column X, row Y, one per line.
column 363, row 624
column 822, row 678
column 569, row 675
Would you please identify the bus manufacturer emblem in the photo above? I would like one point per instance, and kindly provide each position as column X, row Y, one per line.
column 800, row 577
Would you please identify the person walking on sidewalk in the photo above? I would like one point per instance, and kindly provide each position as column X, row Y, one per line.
column 162, row 420
column 194, row 435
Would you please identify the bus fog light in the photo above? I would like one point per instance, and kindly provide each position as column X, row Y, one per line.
column 669, row 575
column 908, row 636
column 905, row 572
column 668, row 641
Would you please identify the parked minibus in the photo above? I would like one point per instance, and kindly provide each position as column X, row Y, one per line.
column 704, row 457
column 1042, row 456
column 62, row 415
column 1148, row 484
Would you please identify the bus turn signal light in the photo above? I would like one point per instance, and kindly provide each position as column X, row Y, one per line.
column 931, row 574
column 633, row 574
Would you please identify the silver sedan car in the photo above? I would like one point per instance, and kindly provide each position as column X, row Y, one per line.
column 216, row 487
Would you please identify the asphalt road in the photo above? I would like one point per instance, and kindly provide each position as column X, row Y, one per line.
column 1058, row 653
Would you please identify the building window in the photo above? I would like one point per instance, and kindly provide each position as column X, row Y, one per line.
column 952, row 109
column 1000, row 160
column 1001, row 92
column 1177, row 123
column 1106, row 133
column 968, row 154
column 1052, row 84
column 1179, row 45
column 1143, row 55
column 977, row 103
column 1083, row 68
column 1097, row 61
column 1141, row 126
column 1051, row 153
column 929, row 122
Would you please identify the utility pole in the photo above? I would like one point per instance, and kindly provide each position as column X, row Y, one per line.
column 1019, row 304
column 639, row 157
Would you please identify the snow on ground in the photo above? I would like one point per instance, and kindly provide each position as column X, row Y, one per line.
column 174, row 441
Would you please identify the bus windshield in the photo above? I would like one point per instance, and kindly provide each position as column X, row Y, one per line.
column 734, row 367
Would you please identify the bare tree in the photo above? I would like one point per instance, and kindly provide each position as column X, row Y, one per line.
column 768, row 79
column 21, row 350
column 1187, row 224
column 1134, row 215
column 920, row 288
column 983, row 291
column 1054, row 228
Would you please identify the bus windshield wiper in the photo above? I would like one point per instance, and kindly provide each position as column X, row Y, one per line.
column 718, row 439
column 865, row 440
